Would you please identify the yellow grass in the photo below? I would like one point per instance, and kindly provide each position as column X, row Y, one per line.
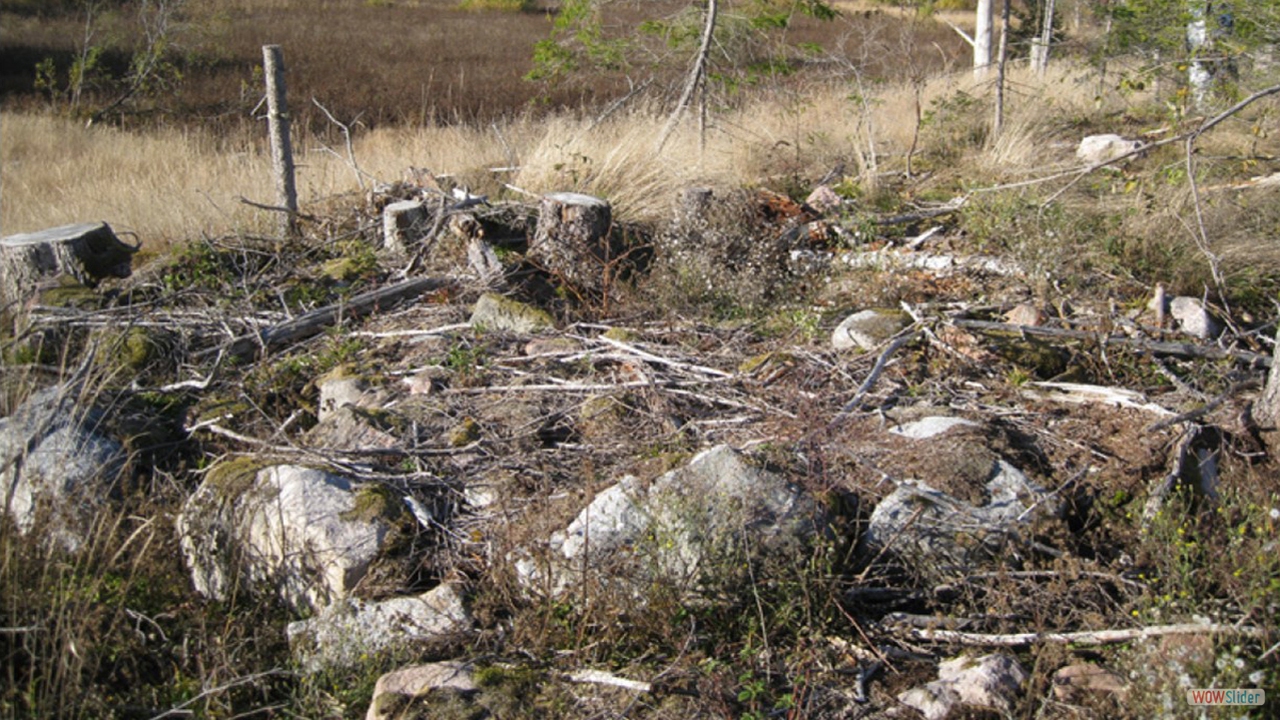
column 164, row 186
column 168, row 186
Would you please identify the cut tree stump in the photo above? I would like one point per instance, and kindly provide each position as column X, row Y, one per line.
column 403, row 224
column 572, row 240
column 1266, row 409
column 87, row 252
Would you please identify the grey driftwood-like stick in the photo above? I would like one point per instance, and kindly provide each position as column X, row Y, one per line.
column 1087, row 637
column 311, row 323
column 1155, row 347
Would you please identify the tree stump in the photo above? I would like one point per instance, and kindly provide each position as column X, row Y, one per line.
column 572, row 240
column 403, row 223
column 87, row 252
column 1266, row 409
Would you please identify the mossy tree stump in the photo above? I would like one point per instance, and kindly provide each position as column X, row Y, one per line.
column 87, row 252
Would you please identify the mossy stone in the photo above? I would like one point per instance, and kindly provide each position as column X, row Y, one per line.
column 374, row 502
column 464, row 433
column 619, row 334
column 235, row 476
column 497, row 313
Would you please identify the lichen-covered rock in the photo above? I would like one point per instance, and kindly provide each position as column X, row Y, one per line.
column 348, row 631
column 1095, row 149
column 1194, row 318
column 939, row 533
column 53, row 457
column 305, row 534
column 991, row 682
column 930, row 426
column 416, row 681
column 869, row 328
column 718, row 508
column 498, row 313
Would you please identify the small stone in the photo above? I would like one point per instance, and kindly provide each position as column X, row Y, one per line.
column 340, row 387
column 1025, row 314
column 1075, row 682
column 417, row 681
column 497, row 313
column 1096, row 149
column 934, row 701
column 551, row 346
column 928, row 427
column 1194, row 318
column 823, row 199
column 869, row 328
column 992, row 681
column 348, row 631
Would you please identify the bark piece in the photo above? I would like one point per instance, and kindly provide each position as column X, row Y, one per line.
column 87, row 252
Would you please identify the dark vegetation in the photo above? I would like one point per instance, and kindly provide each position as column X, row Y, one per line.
column 432, row 61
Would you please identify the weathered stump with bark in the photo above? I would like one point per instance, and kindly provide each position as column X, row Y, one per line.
column 1266, row 409
column 87, row 252
column 403, row 224
column 572, row 240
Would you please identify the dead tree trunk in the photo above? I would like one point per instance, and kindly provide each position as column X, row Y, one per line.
column 983, row 19
column 1040, row 45
column 697, row 76
column 572, row 240
column 281, row 148
column 87, row 252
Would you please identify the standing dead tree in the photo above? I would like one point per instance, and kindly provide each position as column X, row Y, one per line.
column 697, row 76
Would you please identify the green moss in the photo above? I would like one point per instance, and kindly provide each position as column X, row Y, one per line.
column 752, row 364
column 235, row 476
column 464, row 433
column 133, row 350
column 70, row 294
column 619, row 334
column 374, row 502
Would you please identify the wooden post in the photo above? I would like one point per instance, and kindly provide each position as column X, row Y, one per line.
column 1002, row 58
column 281, row 148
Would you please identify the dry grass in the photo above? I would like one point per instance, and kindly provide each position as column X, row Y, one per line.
column 165, row 186
column 169, row 185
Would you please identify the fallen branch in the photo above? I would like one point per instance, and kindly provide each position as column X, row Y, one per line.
column 928, row 214
column 1087, row 637
column 650, row 357
column 1080, row 394
column 902, row 339
column 601, row 677
column 315, row 321
column 1155, row 347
